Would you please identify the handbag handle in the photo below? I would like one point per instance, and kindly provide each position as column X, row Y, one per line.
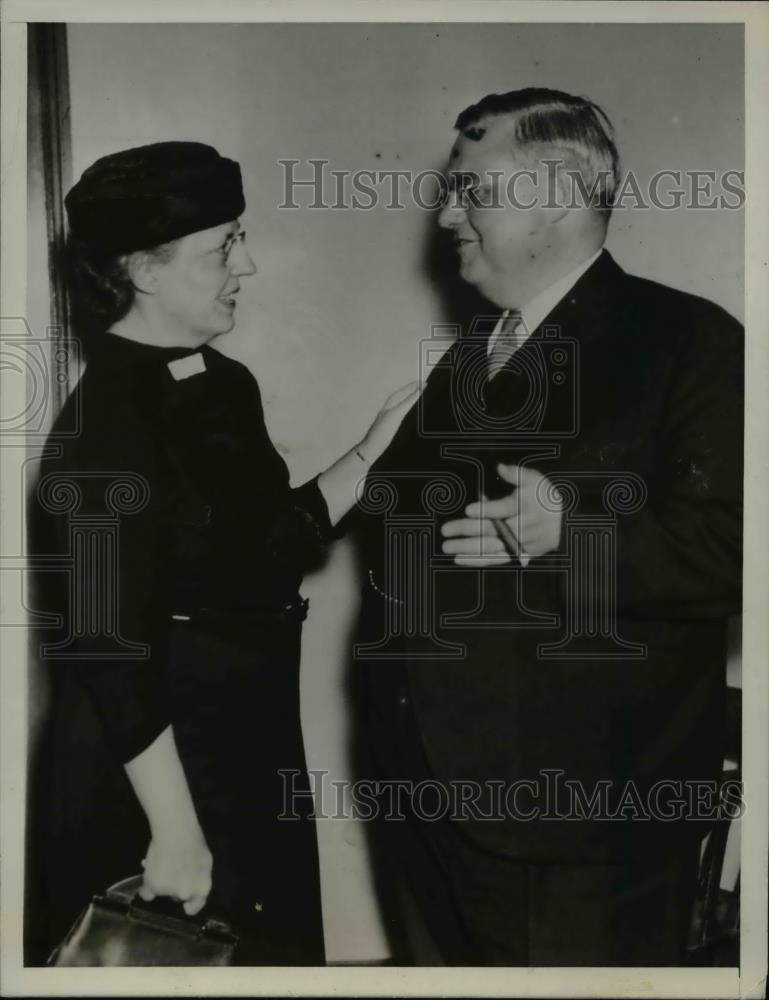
column 162, row 909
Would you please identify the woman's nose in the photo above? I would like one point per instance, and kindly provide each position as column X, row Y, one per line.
column 240, row 261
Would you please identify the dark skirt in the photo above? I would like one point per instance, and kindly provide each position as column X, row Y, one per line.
column 235, row 703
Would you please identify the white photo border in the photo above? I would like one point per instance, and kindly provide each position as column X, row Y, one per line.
column 749, row 980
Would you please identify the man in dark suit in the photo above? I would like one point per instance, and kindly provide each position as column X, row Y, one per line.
column 553, row 547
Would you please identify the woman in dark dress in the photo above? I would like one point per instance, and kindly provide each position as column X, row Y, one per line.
column 175, row 724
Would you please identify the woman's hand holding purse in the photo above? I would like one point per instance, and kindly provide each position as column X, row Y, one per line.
column 178, row 864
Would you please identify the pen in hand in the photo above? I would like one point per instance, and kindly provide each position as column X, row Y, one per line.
column 508, row 538
column 505, row 533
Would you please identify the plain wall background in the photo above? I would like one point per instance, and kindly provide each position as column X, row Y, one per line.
column 331, row 324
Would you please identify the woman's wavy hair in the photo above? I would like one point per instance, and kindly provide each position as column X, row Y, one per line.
column 101, row 291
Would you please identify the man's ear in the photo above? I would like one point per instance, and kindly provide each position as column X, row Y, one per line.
column 141, row 270
column 559, row 194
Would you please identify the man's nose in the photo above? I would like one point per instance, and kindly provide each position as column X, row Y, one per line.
column 240, row 261
column 453, row 212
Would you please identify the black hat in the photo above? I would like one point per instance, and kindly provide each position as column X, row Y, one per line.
column 139, row 198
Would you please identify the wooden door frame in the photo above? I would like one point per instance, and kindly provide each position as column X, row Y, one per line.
column 48, row 98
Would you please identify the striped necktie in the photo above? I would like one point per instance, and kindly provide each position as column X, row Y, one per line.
column 512, row 334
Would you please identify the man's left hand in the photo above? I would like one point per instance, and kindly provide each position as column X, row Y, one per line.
column 532, row 512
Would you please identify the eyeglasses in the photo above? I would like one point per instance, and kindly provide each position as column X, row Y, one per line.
column 462, row 189
column 239, row 237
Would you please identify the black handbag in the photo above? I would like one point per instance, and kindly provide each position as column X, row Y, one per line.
column 118, row 928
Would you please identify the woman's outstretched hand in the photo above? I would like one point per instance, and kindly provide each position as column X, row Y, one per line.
column 180, row 867
column 340, row 483
column 388, row 420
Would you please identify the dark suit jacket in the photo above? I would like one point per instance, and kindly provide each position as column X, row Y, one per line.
column 601, row 664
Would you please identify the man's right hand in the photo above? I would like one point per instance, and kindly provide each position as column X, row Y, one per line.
column 178, row 865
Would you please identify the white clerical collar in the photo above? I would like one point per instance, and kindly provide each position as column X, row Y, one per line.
column 543, row 304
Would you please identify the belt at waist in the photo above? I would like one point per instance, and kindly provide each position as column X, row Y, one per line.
column 238, row 619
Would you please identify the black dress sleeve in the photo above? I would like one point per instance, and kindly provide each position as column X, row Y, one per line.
column 300, row 533
column 111, row 467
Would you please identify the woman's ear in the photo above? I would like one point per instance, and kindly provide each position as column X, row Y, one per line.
column 141, row 270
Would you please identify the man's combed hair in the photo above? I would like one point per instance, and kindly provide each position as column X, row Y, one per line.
column 573, row 129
